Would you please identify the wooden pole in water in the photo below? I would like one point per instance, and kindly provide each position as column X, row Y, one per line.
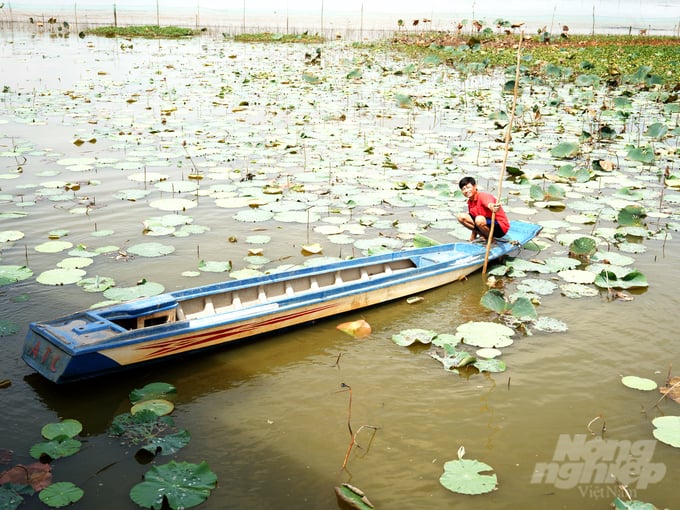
column 508, row 134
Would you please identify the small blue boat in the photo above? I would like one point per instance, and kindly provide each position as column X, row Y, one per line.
column 105, row 340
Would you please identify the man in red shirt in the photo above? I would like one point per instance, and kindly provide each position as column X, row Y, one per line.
column 481, row 207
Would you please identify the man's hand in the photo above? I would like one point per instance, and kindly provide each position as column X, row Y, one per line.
column 494, row 206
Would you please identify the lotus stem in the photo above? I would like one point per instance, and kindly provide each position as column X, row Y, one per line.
column 604, row 424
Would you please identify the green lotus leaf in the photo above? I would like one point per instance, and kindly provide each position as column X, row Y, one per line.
column 522, row 308
column 494, row 300
column 152, row 391
column 253, row 215
column 631, row 215
column 173, row 204
column 242, row 274
column 629, row 193
column 657, row 130
column 583, row 246
column 214, row 266
column 169, row 444
column 96, row 283
column 537, row 286
column 151, row 249
column 485, row 334
column 577, row 276
column 9, row 498
column 61, row 494
column 550, row 325
column 667, row 430
column 633, row 504
column 639, row 383
column 13, row 274
column 608, row 279
column 641, row 154
column 60, row 276
column 465, row 477
column 55, row 449
column 410, row 336
column 158, row 406
column 490, row 365
column 179, row 484
column 10, row 235
column 352, row 498
column 7, row 327
column 53, row 246
column 146, row 289
column 565, row 150
column 74, row 262
column 66, row 428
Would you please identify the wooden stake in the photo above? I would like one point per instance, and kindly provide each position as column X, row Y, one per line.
column 508, row 135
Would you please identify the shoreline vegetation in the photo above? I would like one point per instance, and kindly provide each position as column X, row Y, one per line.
column 649, row 60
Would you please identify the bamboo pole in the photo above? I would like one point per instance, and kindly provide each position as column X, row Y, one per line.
column 508, row 136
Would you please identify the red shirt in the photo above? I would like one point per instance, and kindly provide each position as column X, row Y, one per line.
column 479, row 206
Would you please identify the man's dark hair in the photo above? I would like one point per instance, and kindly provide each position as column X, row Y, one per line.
column 465, row 181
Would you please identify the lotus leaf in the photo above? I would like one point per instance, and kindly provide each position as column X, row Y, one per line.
column 557, row 264
column 452, row 358
column 60, row 276
column 465, row 477
column 667, row 430
column 258, row 239
column 96, row 283
column 633, row 504
column 146, row 289
column 55, row 449
column 53, row 246
column 537, row 286
column 9, row 498
column 158, row 406
column 612, row 258
column 150, row 249
column 488, row 353
column 638, row 383
column 485, row 334
column 214, row 266
column 631, row 215
column 577, row 276
column 74, row 262
column 168, row 444
column 242, row 274
column 583, row 246
column 352, row 498
column 181, row 484
column 565, row 150
column 410, row 336
column 641, row 154
column 61, row 494
column 10, row 235
column 152, row 391
column 7, row 327
column 490, row 365
column 67, row 428
column 608, row 279
column 253, row 215
column 549, row 325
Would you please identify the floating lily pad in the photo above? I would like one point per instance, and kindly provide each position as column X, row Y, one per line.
column 10, row 235
column 13, row 274
column 550, row 325
column 74, row 262
column 578, row 290
column 466, row 477
column 214, row 266
column 609, row 279
column 151, row 249
column 577, row 276
column 67, row 428
column 410, row 336
column 488, row 353
column 152, row 391
column 53, row 246
column 146, row 289
column 56, row 449
column 485, row 334
column 96, row 283
column 158, row 406
column 638, row 383
column 667, row 430
column 61, row 494
column 490, row 365
column 60, row 276
column 180, row 484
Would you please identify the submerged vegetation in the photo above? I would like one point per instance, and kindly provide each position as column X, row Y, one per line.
column 305, row 37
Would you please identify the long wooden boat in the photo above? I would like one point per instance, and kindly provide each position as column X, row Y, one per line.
column 104, row 340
